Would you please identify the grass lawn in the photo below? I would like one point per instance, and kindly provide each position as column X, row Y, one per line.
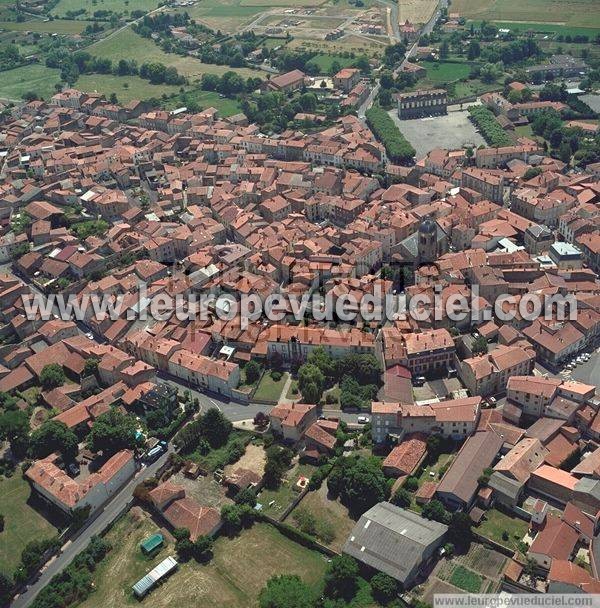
column 22, row 523
column 269, row 389
column 91, row 6
column 446, row 71
column 581, row 13
column 58, row 26
column 127, row 44
column 35, row 77
column 326, row 61
column 328, row 511
column 524, row 131
column 285, row 494
column 496, row 522
column 466, row 579
column 233, row 578
column 205, row 99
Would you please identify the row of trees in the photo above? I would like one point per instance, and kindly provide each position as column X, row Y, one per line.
column 81, row 62
column 398, row 148
column 489, row 127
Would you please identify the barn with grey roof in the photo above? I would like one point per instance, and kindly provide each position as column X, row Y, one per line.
column 395, row 541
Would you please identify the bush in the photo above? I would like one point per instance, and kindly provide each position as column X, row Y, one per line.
column 276, row 376
column 398, row 149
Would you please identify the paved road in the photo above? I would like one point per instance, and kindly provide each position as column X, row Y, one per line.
column 102, row 519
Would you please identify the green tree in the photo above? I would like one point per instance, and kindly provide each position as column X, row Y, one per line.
column 216, row 428
column 53, row 436
column 112, row 432
column 52, row 376
column 252, row 370
column 311, row 382
column 341, row 578
column 479, row 346
column 286, row 591
column 6, row 588
column 278, row 461
column 384, row 588
column 90, row 367
column 402, row 498
column 359, row 482
column 411, row 484
column 203, row 548
column 14, row 428
column 434, row 509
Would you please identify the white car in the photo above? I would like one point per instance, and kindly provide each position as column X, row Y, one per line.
column 363, row 419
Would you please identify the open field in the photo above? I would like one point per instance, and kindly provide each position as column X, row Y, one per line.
column 233, row 578
column 91, row 6
column 58, row 26
column 127, row 44
column 578, row 13
column 125, row 88
column 35, row 77
column 22, row 523
column 205, row 99
column 416, row 11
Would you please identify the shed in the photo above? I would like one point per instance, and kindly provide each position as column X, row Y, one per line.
column 145, row 584
column 152, row 543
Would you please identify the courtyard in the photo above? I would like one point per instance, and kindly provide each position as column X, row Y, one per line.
column 452, row 131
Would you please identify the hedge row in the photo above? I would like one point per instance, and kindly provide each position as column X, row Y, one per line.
column 491, row 130
column 398, row 149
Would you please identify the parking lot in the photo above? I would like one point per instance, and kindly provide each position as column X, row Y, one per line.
column 588, row 372
column 452, row 131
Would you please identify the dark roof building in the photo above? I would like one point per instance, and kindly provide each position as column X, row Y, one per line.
column 395, row 541
column 460, row 482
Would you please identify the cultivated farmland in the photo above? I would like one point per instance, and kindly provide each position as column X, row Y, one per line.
column 583, row 13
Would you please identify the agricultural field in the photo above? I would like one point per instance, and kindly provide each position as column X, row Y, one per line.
column 532, row 13
column 58, row 26
column 22, row 522
column 416, row 11
column 127, row 44
column 233, row 578
column 35, row 77
column 91, row 6
column 359, row 45
column 226, row 15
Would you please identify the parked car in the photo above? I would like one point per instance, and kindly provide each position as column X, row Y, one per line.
column 156, row 452
column 419, row 381
column 363, row 419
